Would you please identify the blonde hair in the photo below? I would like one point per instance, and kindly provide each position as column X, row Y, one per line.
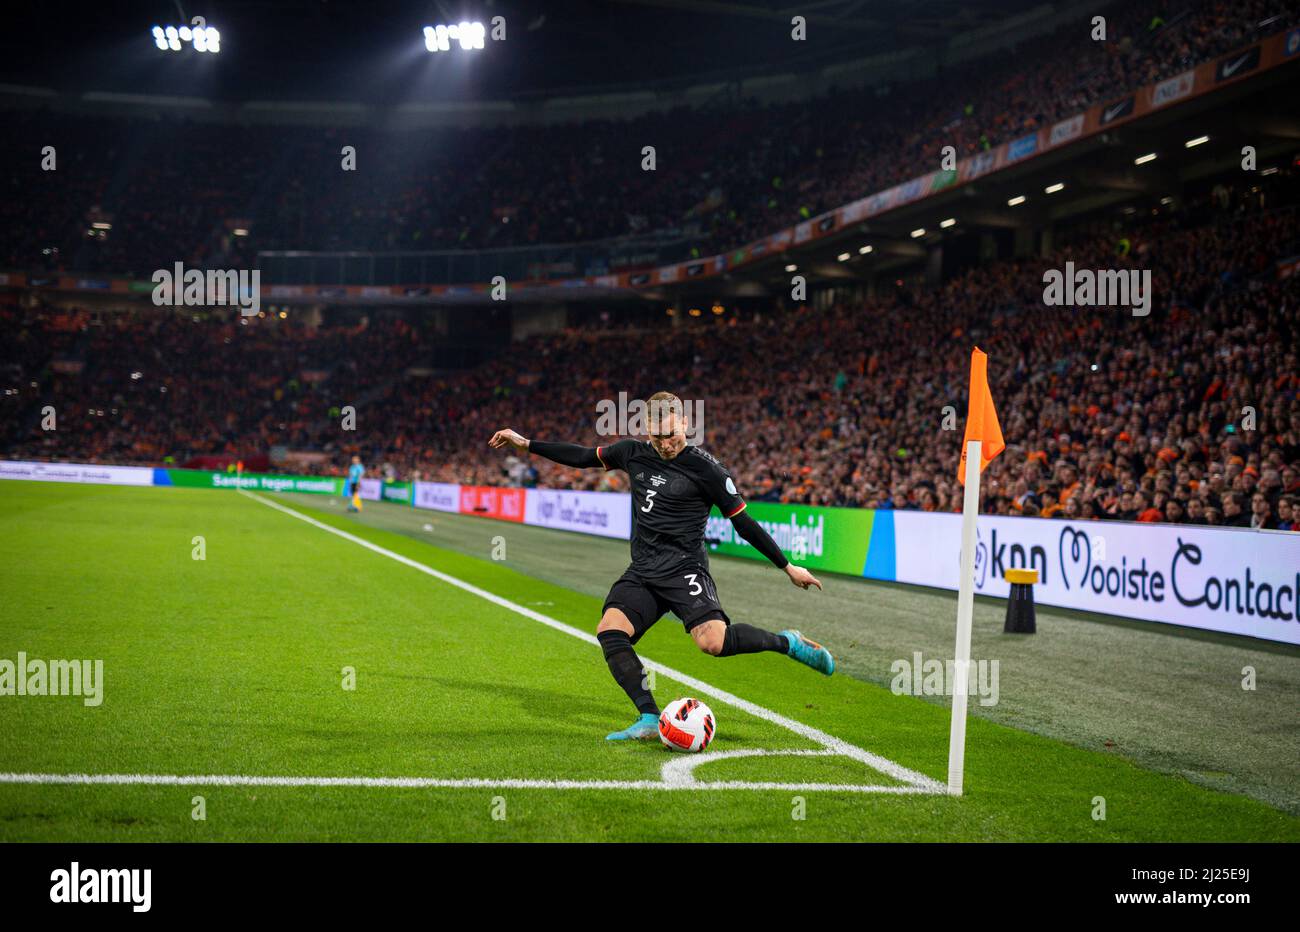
column 662, row 404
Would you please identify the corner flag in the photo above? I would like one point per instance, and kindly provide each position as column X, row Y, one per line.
column 981, row 417
column 984, row 434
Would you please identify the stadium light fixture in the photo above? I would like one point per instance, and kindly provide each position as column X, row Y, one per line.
column 918, row 233
column 1166, row 200
column 863, row 250
column 1193, row 143
column 1053, row 188
column 468, row 35
column 791, row 267
column 843, row 257
column 1271, row 170
column 950, row 222
column 173, row 38
column 1143, row 159
column 1016, row 201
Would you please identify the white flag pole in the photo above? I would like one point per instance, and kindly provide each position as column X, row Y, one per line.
column 965, row 608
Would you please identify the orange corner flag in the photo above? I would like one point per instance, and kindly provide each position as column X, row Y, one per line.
column 981, row 418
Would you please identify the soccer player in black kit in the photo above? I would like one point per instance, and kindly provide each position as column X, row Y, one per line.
column 673, row 488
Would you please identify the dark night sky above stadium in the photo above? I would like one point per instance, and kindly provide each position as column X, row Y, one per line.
column 373, row 51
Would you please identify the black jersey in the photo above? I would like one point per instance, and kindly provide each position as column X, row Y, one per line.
column 671, row 500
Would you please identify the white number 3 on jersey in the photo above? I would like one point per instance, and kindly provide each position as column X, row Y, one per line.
column 649, row 499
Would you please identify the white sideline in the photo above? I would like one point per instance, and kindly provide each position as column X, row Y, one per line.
column 677, row 774
column 155, row 779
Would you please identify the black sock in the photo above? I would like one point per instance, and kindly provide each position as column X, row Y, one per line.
column 746, row 639
column 626, row 667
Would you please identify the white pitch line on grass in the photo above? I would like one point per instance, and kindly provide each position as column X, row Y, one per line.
column 162, row 779
column 680, row 770
column 830, row 742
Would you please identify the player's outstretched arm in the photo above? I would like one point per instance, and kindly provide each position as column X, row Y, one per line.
column 566, row 454
column 762, row 541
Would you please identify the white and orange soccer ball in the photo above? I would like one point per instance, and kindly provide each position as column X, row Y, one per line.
column 687, row 725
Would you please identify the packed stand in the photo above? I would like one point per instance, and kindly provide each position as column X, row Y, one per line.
column 1188, row 415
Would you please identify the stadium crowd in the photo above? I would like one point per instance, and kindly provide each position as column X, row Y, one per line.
column 1189, row 415
column 144, row 386
column 725, row 175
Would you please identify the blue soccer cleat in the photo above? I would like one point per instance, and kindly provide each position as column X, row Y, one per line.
column 810, row 653
column 643, row 729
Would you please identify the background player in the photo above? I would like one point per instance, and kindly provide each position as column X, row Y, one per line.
column 352, row 489
column 674, row 486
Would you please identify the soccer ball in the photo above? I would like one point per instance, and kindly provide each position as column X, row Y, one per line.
column 686, row 725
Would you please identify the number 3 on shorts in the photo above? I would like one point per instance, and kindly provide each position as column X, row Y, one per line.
column 695, row 585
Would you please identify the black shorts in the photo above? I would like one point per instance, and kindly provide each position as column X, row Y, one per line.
column 690, row 595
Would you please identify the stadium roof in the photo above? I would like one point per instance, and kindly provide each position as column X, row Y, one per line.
column 373, row 52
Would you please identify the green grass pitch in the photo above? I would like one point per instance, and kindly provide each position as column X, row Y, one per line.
column 472, row 718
